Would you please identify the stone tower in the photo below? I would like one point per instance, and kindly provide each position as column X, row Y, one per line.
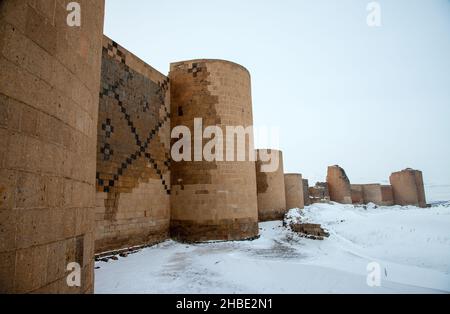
column 215, row 199
column 49, row 90
column 293, row 184
column 271, row 191
column 408, row 188
column 305, row 186
column 339, row 185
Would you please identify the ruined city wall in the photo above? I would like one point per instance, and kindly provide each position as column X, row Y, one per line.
column 408, row 188
column 49, row 89
column 319, row 193
column 339, row 185
column 387, row 195
column 271, row 190
column 372, row 194
column 212, row 200
column 420, row 189
column 293, row 184
column 133, row 152
column 305, row 186
column 357, row 194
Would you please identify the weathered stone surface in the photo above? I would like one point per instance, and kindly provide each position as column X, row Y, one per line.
column 293, row 184
column 133, row 152
column 372, row 193
column 387, row 195
column 210, row 195
column 305, row 186
column 223, row 230
column 271, row 189
column 49, row 89
column 319, row 193
column 309, row 230
column 339, row 185
column 408, row 188
column 357, row 194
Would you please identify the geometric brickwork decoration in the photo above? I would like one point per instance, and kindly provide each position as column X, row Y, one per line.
column 133, row 146
column 113, row 93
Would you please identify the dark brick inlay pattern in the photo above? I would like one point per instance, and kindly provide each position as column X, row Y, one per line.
column 115, row 84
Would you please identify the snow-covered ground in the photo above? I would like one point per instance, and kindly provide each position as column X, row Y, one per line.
column 411, row 245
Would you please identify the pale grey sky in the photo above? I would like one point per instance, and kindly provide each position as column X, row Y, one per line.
column 373, row 100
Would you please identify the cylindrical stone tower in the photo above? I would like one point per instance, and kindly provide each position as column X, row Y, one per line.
column 49, row 91
column 270, row 187
column 293, row 184
column 339, row 185
column 305, row 187
column 408, row 188
column 212, row 198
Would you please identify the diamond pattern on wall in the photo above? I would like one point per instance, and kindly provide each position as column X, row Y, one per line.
column 132, row 115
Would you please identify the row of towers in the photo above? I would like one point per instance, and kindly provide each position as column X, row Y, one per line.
column 86, row 166
column 85, row 159
column 406, row 188
column 145, row 194
column 140, row 199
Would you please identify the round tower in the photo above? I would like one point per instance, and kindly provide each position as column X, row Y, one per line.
column 270, row 185
column 293, row 184
column 408, row 188
column 339, row 185
column 49, row 92
column 213, row 195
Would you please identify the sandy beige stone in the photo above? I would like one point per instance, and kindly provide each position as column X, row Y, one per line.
column 339, row 185
column 293, row 184
column 133, row 152
column 48, row 94
column 305, row 186
column 271, row 189
column 212, row 200
column 408, row 188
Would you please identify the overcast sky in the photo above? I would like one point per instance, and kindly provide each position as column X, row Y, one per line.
column 373, row 100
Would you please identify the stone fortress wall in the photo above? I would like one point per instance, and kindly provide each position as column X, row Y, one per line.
column 49, row 90
column 212, row 200
column 319, row 193
column 339, row 185
column 293, row 185
column 372, row 193
column 406, row 188
column 85, row 157
column 306, row 197
column 133, row 145
column 271, row 189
